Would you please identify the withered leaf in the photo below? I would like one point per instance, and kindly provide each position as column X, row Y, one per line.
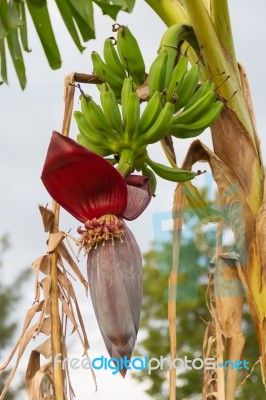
column 47, row 218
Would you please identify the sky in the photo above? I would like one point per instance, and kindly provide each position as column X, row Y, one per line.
column 28, row 118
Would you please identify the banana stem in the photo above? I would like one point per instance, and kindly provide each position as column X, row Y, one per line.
column 221, row 19
column 170, row 11
column 125, row 164
column 56, row 334
column 55, row 318
column 217, row 61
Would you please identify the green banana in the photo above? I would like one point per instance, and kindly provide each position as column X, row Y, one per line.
column 148, row 172
column 96, row 137
column 133, row 114
column 187, row 87
column 183, row 131
column 111, row 109
column 104, row 73
column 171, row 43
column 156, row 77
column 126, row 90
column 178, row 74
column 95, row 116
column 161, row 126
column 101, row 150
column 130, row 54
column 200, row 108
column 150, row 113
column 204, row 88
column 169, row 173
column 112, row 59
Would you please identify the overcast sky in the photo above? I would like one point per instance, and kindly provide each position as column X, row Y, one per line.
column 28, row 119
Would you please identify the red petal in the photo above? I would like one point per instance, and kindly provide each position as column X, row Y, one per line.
column 138, row 195
column 82, row 182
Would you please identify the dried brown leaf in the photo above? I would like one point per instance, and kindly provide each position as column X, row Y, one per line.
column 67, row 310
column 247, row 94
column 22, row 344
column 143, row 91
column 168, row 148
column 47, row 218
column 45, row 348
column 65, row 254
column 46, row 326
column 232, row 144
column 32, row 368
column 261, row 240
column 233, row 197
column 66, row 284
column 54, row 240
column 42, row 264
column 35, row 376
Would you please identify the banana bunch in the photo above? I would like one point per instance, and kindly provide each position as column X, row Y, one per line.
column 195, row 105
column 163, row 74
column 114, row 127
column 95, row 132
column 178, row 103
column 122, row 58
column 124, row 131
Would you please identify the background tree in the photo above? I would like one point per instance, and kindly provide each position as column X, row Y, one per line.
column 10, row 296
column 192, row 317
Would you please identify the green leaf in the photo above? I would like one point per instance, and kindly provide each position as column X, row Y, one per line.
column 108, row 9
column 14, row 19
column 83, row 15
column 41, row 20
column 37, row 3
column 16, row 55
column 126, row 5
column 67, row 15
column 3, row 31
column 23, row 28
column 4, row 14
column 3, row 70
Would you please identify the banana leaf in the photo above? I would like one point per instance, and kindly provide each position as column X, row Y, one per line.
column 77, row 16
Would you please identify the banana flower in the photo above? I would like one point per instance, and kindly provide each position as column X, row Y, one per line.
column 95, row 193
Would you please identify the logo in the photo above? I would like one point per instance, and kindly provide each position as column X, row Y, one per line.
column 146, row 363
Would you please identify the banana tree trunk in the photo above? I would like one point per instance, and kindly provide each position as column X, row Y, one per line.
column 236, row 163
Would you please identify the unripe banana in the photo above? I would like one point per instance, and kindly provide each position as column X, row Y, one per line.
column 178, row 75
column 150, row 113
column 204, row 88
column 111, row 108
column 183, row 131
column 130, row 54
column 126, row 90
column 104, row 73
column 169, row 173
column 171, row 43
column 187, row 87
column 161, row 126
column 94, row 136
column 101, row 150
column 112, row 59
column 133, row 114
column 157, row 72
column 200, row 108
column 148, row 172
column 95, row 116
